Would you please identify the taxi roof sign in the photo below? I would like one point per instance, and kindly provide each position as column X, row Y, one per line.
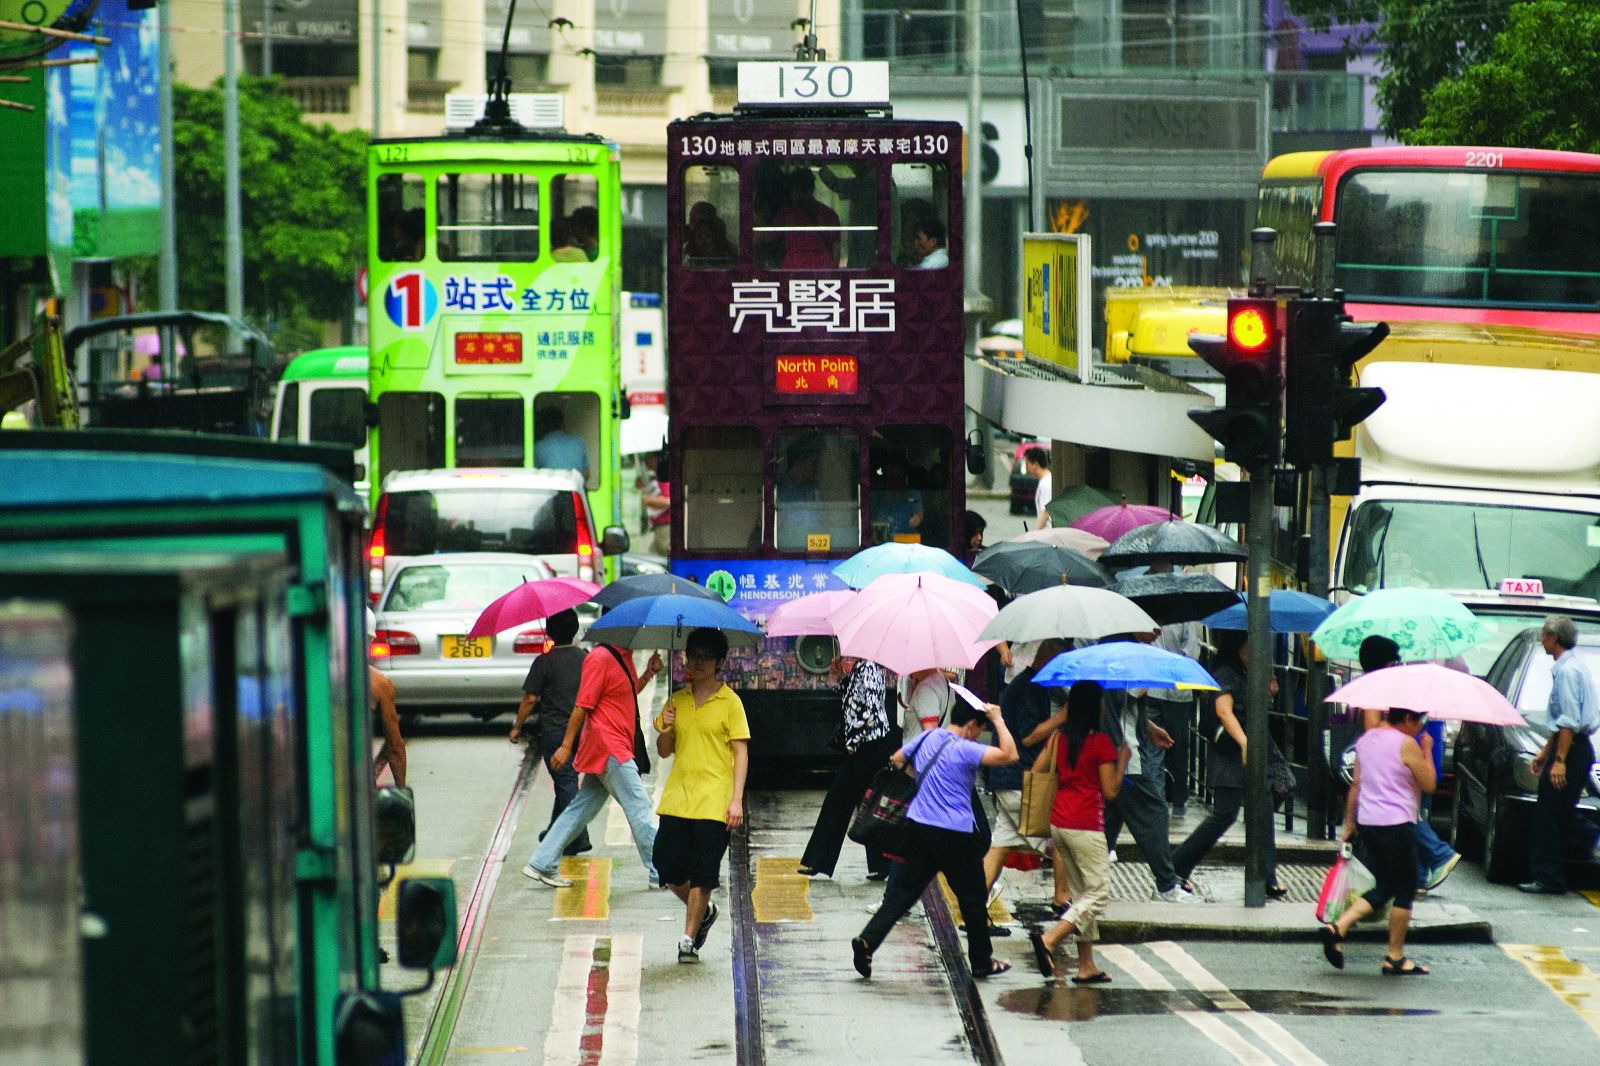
column 1521, row 586
column 814, row 84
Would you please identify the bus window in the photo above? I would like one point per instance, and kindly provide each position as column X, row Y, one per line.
column 722, row 488
column 816, row 491
column 488, row 218
column 338, row 416
column 1292, row 208
column 288, row 427
column 575, row 218
column 919, row 193
column 566, row 433
column 401, row 221
column 815, row 216
column 489, row 431
column 411, row 428
column 910, row 485
column 711, row 216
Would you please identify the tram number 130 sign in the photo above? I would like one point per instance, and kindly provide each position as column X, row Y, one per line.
column 814, row 84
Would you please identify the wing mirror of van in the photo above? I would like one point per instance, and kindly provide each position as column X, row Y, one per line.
column 370, row 411
column 396, row 818
column 614, row 541
column 369, row 1029
column 977, row 457
column 425, row 926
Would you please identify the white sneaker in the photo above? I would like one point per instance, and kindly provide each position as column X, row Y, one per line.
column 553, row 880
column 994, row 890
column 1176, row 895
column 687, row 952
column 1111, row 855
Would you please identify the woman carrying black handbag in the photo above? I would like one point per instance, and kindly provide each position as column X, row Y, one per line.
column 865, row 737
column 942, row 832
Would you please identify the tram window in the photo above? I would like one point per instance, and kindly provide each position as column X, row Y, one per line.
column 811, row 216
column 816, row 490
column 338, row 416
column 722, row 488
column 574, row 218
column 919, row 193
column 411, row 432
column 910, row 485
column 288, row 427
column 401, row 222
column 489, row 431
column 566, row 433
column 488, row 218
column 711, row 216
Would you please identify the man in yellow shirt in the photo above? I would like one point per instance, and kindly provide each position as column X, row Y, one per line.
column 704, row 728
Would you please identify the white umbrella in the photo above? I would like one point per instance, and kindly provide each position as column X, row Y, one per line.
column 1068, row 611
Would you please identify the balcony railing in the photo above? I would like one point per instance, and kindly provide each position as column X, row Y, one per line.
column 631, row 100
column 321, row 96
column 1316, row 100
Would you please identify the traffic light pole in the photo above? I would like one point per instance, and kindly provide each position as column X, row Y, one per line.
column 1319, row 786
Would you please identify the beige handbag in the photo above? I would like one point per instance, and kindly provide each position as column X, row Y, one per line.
column 1039, row 794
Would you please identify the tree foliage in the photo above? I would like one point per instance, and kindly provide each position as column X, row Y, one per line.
column 1539, row 86
column 1423, row 42
column 302, row 202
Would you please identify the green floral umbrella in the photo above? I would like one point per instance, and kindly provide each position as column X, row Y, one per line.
column 1424, row 623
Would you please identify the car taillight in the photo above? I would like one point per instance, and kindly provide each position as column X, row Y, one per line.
column 391, row 642
column 376, row 552
column 531, row 642
column 585, row 541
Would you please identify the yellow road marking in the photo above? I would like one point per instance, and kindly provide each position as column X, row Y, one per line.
column 1592, row 897
column 1576, row 984
column 780, row 894
column 420, row 868
column 998, row 915
column 590, row 894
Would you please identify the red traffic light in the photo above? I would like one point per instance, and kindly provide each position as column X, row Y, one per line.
column 1252, row 325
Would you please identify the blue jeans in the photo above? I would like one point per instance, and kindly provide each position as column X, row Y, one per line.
column 620, row 781
column 1432, row 852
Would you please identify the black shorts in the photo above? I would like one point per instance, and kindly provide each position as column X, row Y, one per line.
column 689, row 851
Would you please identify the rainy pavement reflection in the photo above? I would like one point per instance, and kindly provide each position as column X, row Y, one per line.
column 1063, row 1002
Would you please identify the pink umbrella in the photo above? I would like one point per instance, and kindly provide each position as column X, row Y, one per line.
column 532, row 600
column 1430, row 689
column 1078, row 540
column 1109, row 523
column 807, row 615
column 909, row 622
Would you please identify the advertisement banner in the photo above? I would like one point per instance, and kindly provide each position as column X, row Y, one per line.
column 1056, row 321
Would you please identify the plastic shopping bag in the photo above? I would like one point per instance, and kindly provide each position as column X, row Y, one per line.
column 1335, row 894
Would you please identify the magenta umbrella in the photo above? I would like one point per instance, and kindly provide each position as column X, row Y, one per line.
column 807, row 616
column 532, row 600
column 1110, row 523
column 1430, row 689
column 910, row 622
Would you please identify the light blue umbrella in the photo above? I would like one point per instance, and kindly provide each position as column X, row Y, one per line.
column 1288, row 611
column 1125, row 664
column 665, row 621
column 860, row 569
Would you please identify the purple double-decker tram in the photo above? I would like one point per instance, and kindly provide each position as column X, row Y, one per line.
column 814, row 372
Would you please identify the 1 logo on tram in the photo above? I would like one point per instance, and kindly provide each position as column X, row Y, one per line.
column 411, row 300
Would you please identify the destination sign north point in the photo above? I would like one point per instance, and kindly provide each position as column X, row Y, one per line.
column 837, row 375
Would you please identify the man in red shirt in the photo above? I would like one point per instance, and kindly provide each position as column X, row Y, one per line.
column 607, row 703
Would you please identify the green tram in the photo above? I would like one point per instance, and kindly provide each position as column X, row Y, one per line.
column 223, row 759
column 494, row 289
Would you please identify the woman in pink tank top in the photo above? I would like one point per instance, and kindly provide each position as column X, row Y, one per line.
column 1393, row 769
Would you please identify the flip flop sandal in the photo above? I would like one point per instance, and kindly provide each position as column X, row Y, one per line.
column 1331, row 939
column 1099, row 978
column 1398, row 968
column 1041, row 954
column 996, row 968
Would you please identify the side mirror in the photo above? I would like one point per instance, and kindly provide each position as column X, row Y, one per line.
column 977, row 460
column 370, row 412
column 369, row 1029
column 625, row 406
column 396, row 818
column 425, row 922
column 360, row 472
column 614, row 541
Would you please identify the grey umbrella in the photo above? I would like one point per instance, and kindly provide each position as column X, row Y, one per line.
column 1067, row 611
column 1021, row 566
column 1173, row 598
column 624, row 589
column 1179, row 543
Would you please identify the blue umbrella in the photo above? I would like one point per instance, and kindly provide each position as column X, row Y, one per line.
column 860, row 569
column 665, row 621
column 1125, row 664
column 1288, row 611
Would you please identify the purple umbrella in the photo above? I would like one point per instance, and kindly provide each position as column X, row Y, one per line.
column 1112, row 522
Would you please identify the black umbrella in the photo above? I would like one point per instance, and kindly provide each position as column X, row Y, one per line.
column 1179, row 543
column 1022, row 566
column 1174, row 598
column 627, row 588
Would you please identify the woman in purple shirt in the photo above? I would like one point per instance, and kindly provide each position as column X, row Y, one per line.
column 1393, row 770
column 942, row 833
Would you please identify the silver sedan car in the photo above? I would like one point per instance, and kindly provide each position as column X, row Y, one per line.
column 421, row 640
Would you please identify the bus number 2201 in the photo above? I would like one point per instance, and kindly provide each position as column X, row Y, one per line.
column 1485, row 159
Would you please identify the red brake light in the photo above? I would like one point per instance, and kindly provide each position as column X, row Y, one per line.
column 531, row 642
column 376, row 551
column 391, row 642
column 585, row 541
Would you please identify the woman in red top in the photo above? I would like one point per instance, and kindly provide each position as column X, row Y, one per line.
column 1090, row 772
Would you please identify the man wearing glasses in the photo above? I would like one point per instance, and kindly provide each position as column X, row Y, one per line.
column 703, row 729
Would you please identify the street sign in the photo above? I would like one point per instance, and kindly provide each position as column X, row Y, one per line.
column 1056, row 302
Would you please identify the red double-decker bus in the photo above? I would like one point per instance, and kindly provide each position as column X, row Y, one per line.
column 814, row 369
